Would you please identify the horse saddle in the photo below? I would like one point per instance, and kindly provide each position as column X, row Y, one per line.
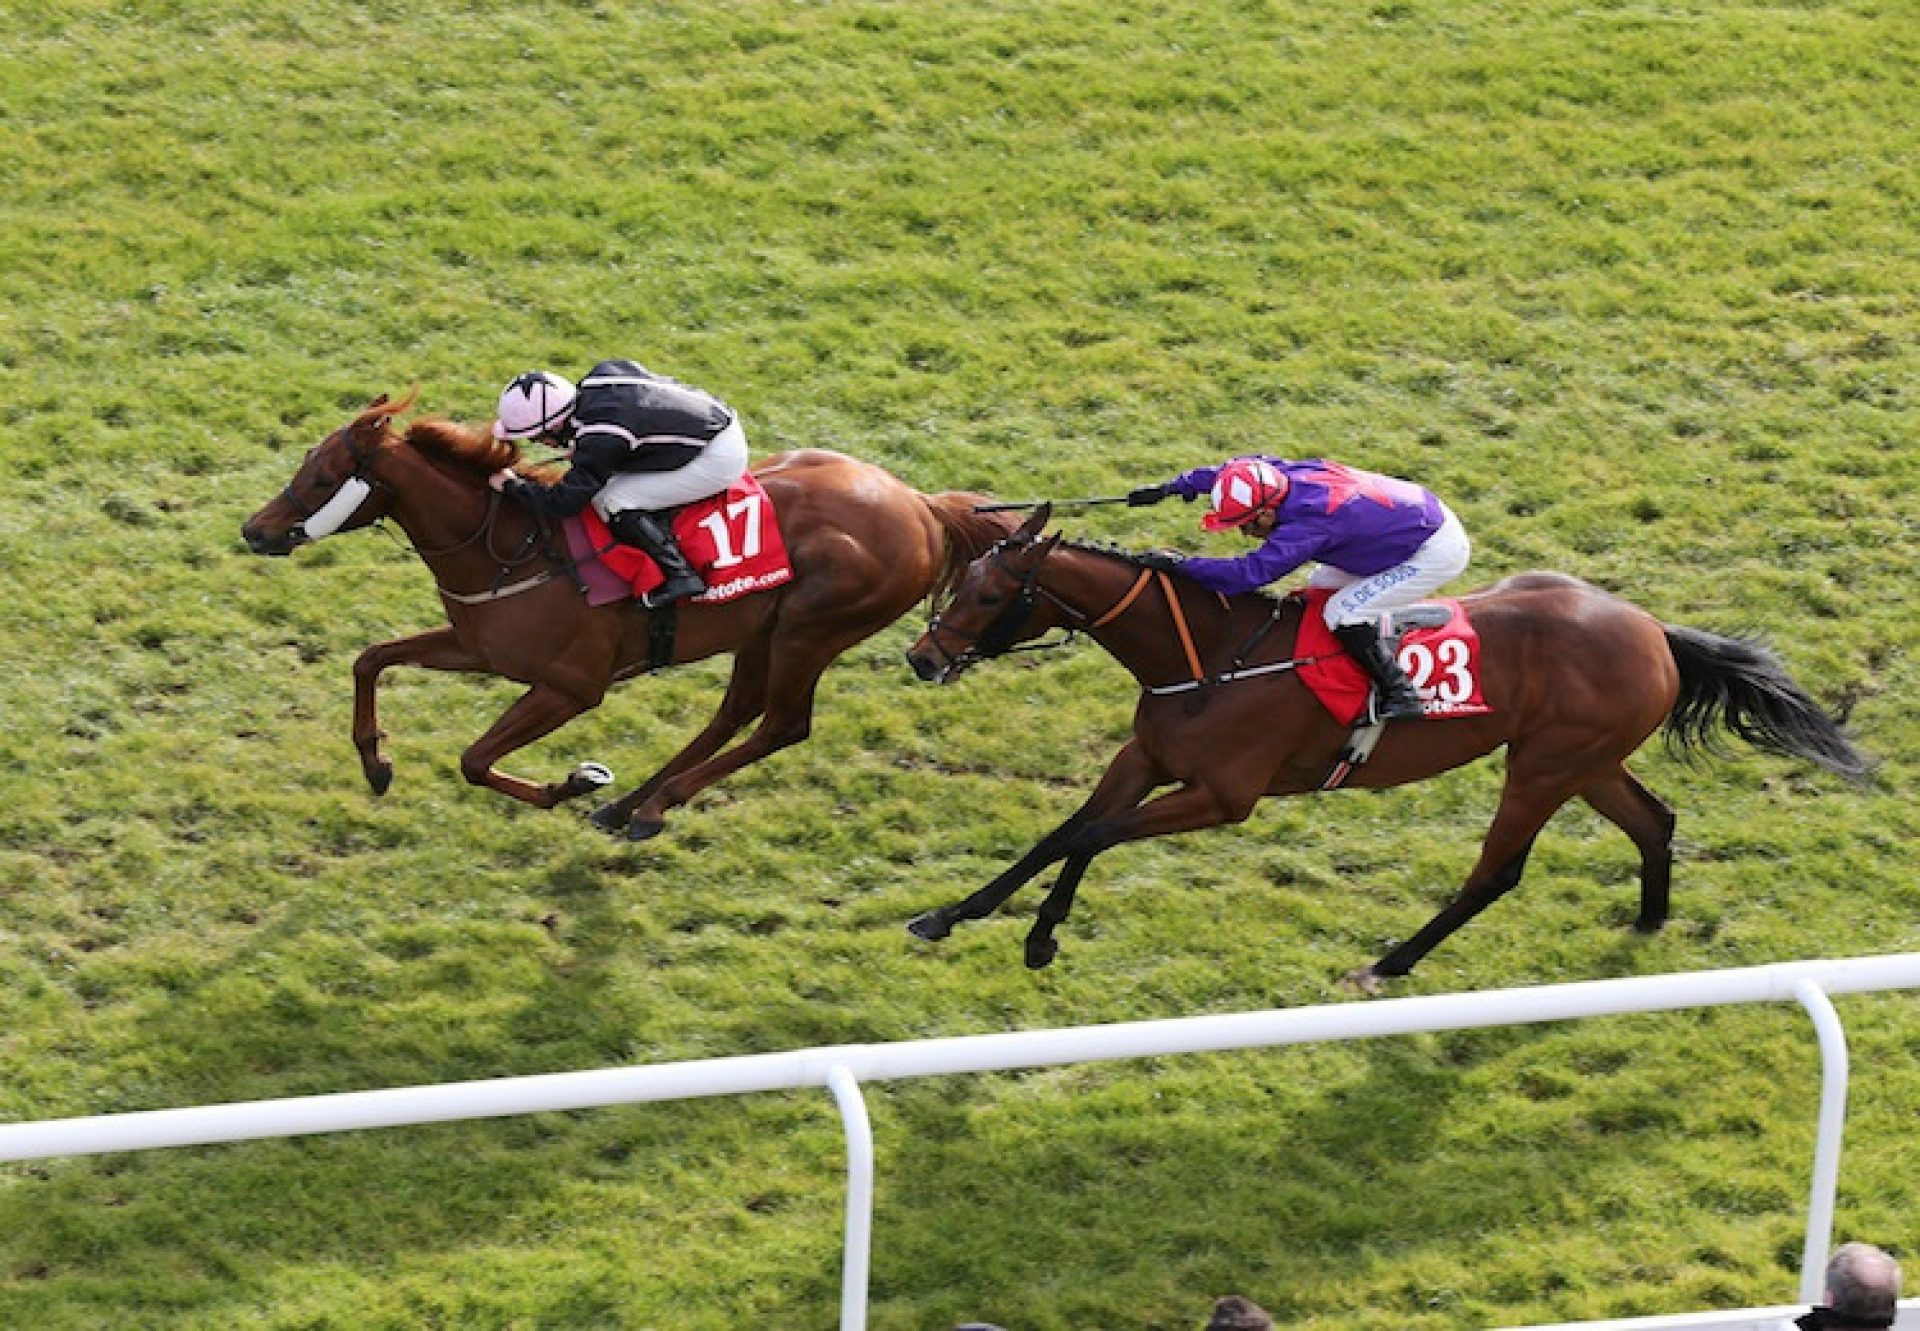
column 732, row 540
column 1403, row 621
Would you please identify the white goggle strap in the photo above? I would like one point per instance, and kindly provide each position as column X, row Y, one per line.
column 344, row 504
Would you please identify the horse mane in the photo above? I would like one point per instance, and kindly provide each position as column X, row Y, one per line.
column 462, row 445
column 1136, row 558
column 1269, row 600
column 969, row 534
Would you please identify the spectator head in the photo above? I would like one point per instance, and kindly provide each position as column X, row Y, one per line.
column 1863, row 1284
column 1234, row 1313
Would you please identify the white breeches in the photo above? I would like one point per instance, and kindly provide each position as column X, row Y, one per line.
column 1363, row 600
column 719, row 465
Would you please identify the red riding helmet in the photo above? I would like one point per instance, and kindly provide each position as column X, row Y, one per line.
column 1244, row 488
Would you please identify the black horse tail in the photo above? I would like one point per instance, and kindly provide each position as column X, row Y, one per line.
column 1739, row 682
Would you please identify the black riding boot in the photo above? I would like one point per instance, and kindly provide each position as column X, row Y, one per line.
column 638, row 527
column 1395, row 698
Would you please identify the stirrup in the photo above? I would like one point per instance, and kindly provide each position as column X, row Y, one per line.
column 1383, row 706
column 673, row 590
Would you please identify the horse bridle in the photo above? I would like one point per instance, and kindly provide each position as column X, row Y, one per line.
column 1001, row 634
column 366, row 482
column 347, row 496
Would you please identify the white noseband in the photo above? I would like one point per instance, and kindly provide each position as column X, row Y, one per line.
column 345, row 502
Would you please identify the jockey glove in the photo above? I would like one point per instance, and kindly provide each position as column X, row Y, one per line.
column 1146, row 494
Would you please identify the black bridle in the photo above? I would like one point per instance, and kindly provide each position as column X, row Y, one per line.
column 1001, row 634
column 363, row 458
column 362, row 472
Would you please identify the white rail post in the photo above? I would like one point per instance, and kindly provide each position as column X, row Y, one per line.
column 859, row 1240
column 1826, row 1150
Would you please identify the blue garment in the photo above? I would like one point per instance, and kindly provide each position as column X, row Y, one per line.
column 1359, row 522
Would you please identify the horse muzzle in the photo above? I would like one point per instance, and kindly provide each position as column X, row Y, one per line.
column 263, row 542
column 933, row 665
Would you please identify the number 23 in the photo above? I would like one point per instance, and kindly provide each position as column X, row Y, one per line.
column 1453, row 661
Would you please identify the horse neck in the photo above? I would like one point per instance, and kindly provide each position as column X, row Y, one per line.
column 442, row 508
column 1146, row 637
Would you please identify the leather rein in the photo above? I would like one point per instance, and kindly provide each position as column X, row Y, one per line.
column 363, row 459
column 999, row 636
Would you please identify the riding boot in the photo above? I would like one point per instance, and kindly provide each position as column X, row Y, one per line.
column 638, row 527
column 1395, row 698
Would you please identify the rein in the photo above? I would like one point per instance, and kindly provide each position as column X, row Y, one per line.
column 329, row 515
column 997, row 638
column 529, row 548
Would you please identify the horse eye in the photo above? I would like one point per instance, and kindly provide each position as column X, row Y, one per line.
column 991, row 598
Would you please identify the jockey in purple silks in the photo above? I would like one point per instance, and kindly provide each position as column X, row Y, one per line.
column 1380, row 543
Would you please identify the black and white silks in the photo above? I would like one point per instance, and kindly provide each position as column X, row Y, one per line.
column 628, row 420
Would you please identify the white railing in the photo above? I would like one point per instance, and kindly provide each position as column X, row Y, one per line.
column 1906, row 1318
column 842, row 1068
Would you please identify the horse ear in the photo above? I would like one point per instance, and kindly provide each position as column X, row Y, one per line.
column 383, row 409
column 1033, row 526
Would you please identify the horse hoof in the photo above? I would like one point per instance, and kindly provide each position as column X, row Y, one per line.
column 1041, row 952
column 589, row 776
column 608, row 819
column 932, row 926
column 380, row 779
column 1366, row 980
column 644, row 829
column 582, row 780
column 1646, row 926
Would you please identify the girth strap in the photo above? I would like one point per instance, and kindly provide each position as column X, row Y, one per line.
column 663, row 623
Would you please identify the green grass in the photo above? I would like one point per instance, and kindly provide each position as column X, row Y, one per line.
column 1630, row 284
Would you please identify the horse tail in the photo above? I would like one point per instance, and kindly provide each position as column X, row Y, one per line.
column 968, row 534
column 1743, row 685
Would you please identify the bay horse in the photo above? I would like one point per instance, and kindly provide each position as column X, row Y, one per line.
column 1577, row 679
column 864, row 547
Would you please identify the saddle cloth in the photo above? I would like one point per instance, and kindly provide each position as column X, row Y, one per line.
column 732, row 540
column 1443, row 663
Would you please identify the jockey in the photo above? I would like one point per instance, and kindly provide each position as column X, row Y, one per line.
column 639, row 443
column 1380, row 543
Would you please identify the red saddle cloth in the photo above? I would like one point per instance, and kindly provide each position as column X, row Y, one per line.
column 732, row 540
column 1443, row 663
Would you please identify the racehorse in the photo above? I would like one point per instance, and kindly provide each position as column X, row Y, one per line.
column 863, row 545
column 1576, row 677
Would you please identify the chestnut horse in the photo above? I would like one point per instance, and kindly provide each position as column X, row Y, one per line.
column 1577, row 678
column 864, row 548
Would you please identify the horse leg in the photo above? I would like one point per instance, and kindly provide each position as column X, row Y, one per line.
column 786, row 713
column 1525, row 806
column 744, row 700
column 1041, row 945
column 1123, row 785
column 1648, row 820
column 539, row 711
column 1185, row 810
column 436, row 649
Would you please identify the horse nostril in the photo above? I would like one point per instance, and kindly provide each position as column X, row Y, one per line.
column 260, row 543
